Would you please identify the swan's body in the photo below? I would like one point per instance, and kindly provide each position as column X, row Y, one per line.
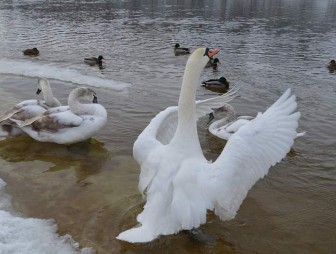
column 181, row 185
column 27, row 109
column 180, row 51
column 230, row 124
column 68, row 124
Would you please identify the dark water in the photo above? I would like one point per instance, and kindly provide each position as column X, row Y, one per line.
column 90, row 189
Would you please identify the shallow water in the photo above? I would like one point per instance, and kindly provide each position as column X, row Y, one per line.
column 90, row 189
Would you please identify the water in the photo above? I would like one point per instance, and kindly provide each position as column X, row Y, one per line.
column 90, row 189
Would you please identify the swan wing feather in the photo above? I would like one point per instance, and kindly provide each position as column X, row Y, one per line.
column 249, row 154
column 53, row 119
column 162, row 127
column 204, row 107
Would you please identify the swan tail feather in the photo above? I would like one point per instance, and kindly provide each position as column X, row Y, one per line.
column 137, row 235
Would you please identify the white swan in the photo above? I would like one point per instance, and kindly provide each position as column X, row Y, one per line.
column 27, row 109
column 230, row 124
column 68, row 124
column 181, row 185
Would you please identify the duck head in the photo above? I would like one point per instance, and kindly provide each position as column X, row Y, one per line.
column 177, row 45
column 100, row 58
column 223, row 80
column 216, row 60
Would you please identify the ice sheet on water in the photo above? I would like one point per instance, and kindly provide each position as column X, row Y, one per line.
column 34, row 69
column 19, row 235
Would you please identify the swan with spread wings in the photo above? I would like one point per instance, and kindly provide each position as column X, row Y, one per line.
column 180, row 184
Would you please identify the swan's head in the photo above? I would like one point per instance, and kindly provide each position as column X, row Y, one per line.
column 85, row 93
column 41, row 84
column 200, row 57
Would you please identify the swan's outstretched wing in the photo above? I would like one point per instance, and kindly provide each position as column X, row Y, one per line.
column 249, row 154
column 162, row 127
column 204, row 107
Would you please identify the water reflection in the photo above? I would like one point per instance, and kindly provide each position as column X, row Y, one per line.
column 86, row 158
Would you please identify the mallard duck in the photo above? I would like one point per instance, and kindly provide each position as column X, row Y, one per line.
column 68, row 124
column 180, row 184
column 31, row 52
column 180, row 51
column 213, row 63
column 332, row 65
column 94, row 60
column 27, row 109
column 220, row 85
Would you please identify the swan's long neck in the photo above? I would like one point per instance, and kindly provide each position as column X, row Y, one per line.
column 77, row 107
column 47, row 94
column 186, row 132
column 230, row 117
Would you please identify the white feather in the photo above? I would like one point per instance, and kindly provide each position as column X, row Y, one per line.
column 180, row 185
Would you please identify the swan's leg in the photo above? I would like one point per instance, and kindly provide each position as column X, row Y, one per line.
column 198, row 235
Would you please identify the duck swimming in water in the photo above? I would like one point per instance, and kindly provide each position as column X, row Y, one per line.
column 31, row 52
column 220, row 85
column 181, row 51
column 94, row 60
column 332, row 66
column 213, row 63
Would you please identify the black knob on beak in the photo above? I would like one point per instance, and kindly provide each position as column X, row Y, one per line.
column 95, row 99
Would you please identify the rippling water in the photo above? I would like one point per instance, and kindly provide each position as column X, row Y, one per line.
column 90, row 189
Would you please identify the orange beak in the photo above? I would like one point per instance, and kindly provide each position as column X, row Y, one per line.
column 213, row 52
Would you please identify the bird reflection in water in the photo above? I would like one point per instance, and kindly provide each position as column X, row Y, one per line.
column 85, row 157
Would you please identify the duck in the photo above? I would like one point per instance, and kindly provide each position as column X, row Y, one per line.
column 332, row 65
column 31, row 52
column 27, row 109
column 180, row 185
column 68, row 124
column 180, row 51
column 213, row 63
column 217, row 85
column 94, row 60
column 230, row 124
